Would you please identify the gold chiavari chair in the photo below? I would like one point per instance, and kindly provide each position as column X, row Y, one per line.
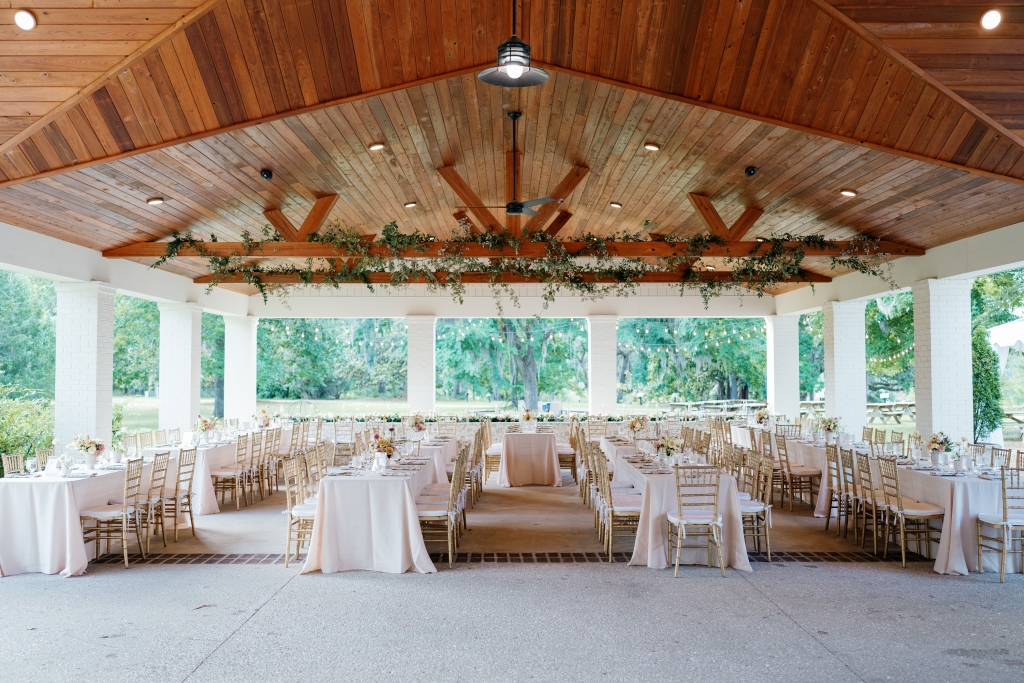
column 778, row 472
column 596, row 428
column 174, row 435
column 294, row 442
column 255, row 473
column 871, row 504
column 976, row 451
column 440, row 521
column 755, row 445
column 619, row 511
column 43, row 456
column 316, row 431
column 233, row 480
column 344, row 444
column 756, row 512
column 130, row 444
column 835, row 487
column 114, row 522
column 1009, row 525
column 304, row 428
column 160, row 437
column 447, row 428
column 696, row 513
column 145, row 440
column 791, row 431
column 867, row 434
column 178, row 501
column 300, row 514
column 999, row 457
column 14, row 463
column 911, row 517
column 1018, row 459
column 799, row 479
column 900, row 446
column 878, row 437
column 151, row 504
column 850, row 494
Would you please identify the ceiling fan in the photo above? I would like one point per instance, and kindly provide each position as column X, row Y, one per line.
column 516, row 207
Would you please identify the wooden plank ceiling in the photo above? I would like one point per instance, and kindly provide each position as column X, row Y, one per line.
column 75, row 43
column 946, row 40
column 303, row 87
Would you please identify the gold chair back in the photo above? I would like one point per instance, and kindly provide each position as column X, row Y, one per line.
column 14, row 463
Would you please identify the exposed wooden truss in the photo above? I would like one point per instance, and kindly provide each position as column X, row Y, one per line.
column 709, row 214
column 314, row 220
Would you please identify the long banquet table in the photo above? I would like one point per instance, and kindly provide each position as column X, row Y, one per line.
column 368, row 520
column 208, row 459
column 659, row 499
column 529, row 459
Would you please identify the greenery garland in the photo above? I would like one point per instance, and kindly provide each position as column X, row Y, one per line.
column 591, row 273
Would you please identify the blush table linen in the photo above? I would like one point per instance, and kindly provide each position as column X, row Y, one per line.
column 441, row 454
column 529, row 459
column 369, row 522
column 659, row 499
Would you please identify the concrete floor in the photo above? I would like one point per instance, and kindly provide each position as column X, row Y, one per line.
column 510, row 622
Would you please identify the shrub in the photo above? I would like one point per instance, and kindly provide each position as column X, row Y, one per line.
column 25, row 423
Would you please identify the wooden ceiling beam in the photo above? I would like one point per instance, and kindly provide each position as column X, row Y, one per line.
column 314, row 220
column 561, row 192
column 556, row 225
column 463, row 217
column 292, row 249
column 465, row 193
column 709, row 214
column 486, row 278
column 744, row 223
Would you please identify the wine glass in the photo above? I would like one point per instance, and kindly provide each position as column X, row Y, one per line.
column 31, row 465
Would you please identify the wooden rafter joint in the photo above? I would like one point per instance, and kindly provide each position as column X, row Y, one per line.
column 709, row 214
column 527, row 250
column 314, row 220
column 487, row 278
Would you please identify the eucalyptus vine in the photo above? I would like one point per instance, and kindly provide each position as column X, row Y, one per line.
column 591, row 272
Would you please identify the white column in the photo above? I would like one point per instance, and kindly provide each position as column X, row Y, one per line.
column 943, row 385
column 84, row 396
column 240, row 366
column 846, row 380
column 422, row 375
column 784, row 365
column 603, row 381
column 181, row 328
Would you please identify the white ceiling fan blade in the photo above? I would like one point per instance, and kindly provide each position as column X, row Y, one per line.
column 535, row 202
column 528, row 211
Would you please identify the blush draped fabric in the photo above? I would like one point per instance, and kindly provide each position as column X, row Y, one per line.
column 529, row 459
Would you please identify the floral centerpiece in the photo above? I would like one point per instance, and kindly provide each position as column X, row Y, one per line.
column 939, row 442
column 261, row 418
column 89, row 447
column 383, row 445
column 418, row 423
column 204, row 425
column 638, row 423
column 829, row 424
column 762, row 416
column 528, row 415
column 671, row 444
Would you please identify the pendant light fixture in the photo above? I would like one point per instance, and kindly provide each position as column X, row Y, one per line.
column 513, row 70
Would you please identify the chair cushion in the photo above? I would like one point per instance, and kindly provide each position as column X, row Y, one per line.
column 626, row 503
column 693, row 517
column 223, row 473
column 743, row 495
column 996, row 519
column 304, row 510
column 436, row 488
column 431, row 510
column 104, row 512
column 173, row 493
column 749, row 507
column 565, row 449
column 493, row 450
column 801, row 471
column 917, row 508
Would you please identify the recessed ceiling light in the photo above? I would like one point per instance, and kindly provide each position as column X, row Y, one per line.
column 376, row 146
column 409, row 205
column 991, row 19
column 26, row 21
column 616, row 205
column 652, row 146
column 709, row 267
column 760, row 239
column 848, row 193
column 153, row 201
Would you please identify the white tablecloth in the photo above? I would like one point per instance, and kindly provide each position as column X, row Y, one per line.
column 613, row 449
column 370, row 522
column 441, row 454
column 529, row 459
column 659, row 499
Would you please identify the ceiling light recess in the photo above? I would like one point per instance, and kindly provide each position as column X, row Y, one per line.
column 25, row 20
column 376, row 146
column 409, row 205
column 153, row 201
column 513, row 70
column 991, row 19
column 652, row 146
column 616, row 205
column 848, row 193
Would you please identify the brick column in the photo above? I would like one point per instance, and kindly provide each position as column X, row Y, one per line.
column 846, row 381
column 84, row 394
column 783, row 365
column 240, row 366
column 943, row 384
column 180, row 344
column 422, row 374
column 603, row 381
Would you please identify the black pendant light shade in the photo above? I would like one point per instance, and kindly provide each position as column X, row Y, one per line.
column 513, row 70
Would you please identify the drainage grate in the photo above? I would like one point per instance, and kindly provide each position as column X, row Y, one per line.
column 785, row 556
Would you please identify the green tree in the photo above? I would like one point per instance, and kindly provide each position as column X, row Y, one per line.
column 136, row 344
column 988, row 411
column 28, row 332
column 889, row 323
column 212, row 361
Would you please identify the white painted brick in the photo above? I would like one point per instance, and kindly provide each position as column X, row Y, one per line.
column 783, row 336
column 846, row 385
column 943, row 371
column 602, row 331
column 180, row 369
column 240, row 366
column 422, row 376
